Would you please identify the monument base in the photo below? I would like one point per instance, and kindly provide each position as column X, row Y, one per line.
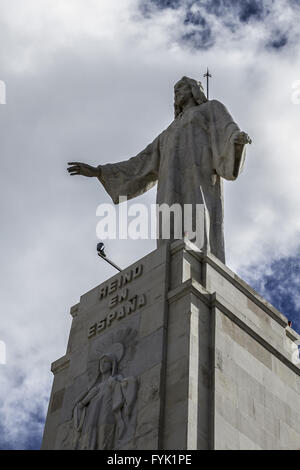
column 176, row 352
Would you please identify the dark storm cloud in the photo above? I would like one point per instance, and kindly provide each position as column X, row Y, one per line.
column 232, row 14
column 278, row 41
column 201, row 36
column 244, row 9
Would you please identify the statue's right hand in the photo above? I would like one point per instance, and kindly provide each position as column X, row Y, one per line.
column 83, row 169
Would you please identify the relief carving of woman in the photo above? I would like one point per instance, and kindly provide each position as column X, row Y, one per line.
column 101, row 415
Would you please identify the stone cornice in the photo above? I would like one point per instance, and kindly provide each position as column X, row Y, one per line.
column 216, row 301
column 234, row 279
column 60, row 364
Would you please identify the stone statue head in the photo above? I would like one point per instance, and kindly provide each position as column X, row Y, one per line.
column 108, row 362
column 194, row 88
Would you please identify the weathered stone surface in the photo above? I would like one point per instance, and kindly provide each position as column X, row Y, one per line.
column 150, row 386
column 211, row 361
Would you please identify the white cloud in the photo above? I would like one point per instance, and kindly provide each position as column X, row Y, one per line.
column 92, row 80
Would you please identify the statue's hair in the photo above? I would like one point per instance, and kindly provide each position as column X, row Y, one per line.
column 197, row 92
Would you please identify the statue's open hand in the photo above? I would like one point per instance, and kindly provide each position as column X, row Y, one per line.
column 242, row 138
column 83, row 169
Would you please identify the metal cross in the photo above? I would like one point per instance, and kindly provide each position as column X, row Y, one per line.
column 208, row 76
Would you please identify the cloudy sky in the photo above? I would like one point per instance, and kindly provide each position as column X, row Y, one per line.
column 91, row 80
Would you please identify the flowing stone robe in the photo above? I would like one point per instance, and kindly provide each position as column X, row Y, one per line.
column 187, row 160
column 101, row 422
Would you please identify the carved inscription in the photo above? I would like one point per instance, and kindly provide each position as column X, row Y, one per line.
column 131, row 306
column 121, row 281
column 120, row 301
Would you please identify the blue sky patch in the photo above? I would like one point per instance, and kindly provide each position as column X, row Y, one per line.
column 280, row 285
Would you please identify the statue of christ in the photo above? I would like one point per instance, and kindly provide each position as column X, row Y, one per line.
column 187, row 160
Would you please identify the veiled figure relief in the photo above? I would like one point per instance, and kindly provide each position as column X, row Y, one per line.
column 102, row 414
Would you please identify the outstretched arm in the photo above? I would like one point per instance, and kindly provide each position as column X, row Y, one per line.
column 128, row 178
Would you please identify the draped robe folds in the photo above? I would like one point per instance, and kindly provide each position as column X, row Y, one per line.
column 99, row 419
column 187, row 160
column 105, row 413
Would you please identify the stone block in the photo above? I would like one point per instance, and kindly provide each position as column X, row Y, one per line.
column 226, row 436
column 148, row 441
column 148, row 419
column 149, row 352
column 153, row 318
column 200, row 348
column 150, row 386
column 289, row 438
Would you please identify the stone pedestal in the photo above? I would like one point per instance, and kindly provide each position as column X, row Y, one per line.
column 176, row 352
